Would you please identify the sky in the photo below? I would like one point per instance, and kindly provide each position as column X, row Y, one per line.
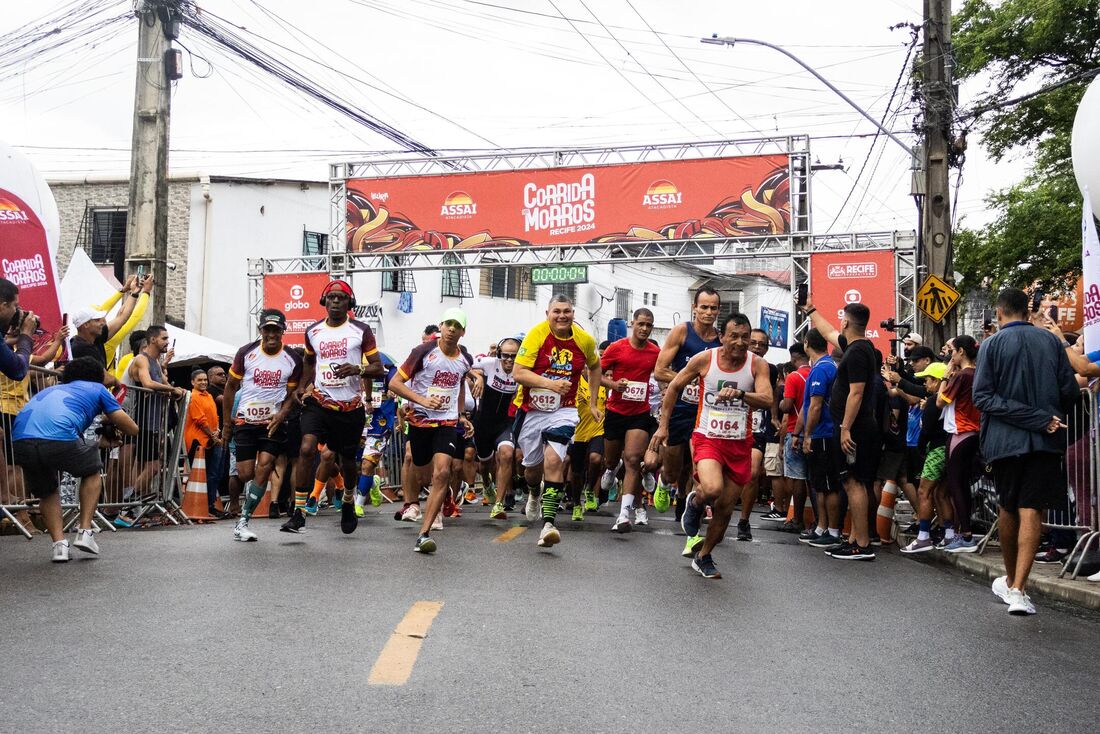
column 495, row 74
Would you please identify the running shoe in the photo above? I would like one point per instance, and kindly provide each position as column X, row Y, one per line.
column 788, row 527
column 613, row 493
column 692, row 546
column 607, row 481
column 578, row 513
column 549, row 536
column 242, row 533
column 359, row 511
column 919, row 546
column 649, row 483
column 662, row 500
column 311, row 506
column 622, row 525
column 296, row 522
column 773, row 515
column 1000, row 588
column 826, row 541
column 1019, row 603
column 85, row 541
column 348, row 519
column 510, row 502
column 273, row 511
column 534, row 507
column 450, row 509
column 470, row 496
column 60, row 552
column 591, row 502
column 376, row 492
column 641, row 517
column 338, row 500
column 807, row 535
column 122, row 521
column 852, row 552
column 437, row 523
column 744, row 531
column 1048, row 555
column 961, row 545
column 692, row 518
column 489, row 495
column 498, row 512
column 875, row 540
column 424, row 544
column 704, row 566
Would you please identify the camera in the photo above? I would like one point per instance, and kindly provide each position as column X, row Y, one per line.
column 892, row 325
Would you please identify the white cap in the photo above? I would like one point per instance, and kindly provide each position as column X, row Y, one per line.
column 915, row 338
column 85, row 315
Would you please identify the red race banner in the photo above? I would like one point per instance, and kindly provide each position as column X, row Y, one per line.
column 637, row 202
column 298, row 296
column 840, row 278
column 26, row 261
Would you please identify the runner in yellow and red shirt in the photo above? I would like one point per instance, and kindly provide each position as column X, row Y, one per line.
column 549, row 365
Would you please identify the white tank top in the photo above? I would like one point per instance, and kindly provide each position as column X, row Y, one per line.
column 731, row 421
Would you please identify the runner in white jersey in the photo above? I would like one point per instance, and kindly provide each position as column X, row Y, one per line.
column 265, row 375
column 733, row 382
column 339, row 351
column 433, row 379
column 495, row 388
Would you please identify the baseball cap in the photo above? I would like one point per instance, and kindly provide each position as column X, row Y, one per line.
column 914, row 337
column 936, row 370
column 918, row 353
column 454, row 314
column 85, row 315
column 272, row 317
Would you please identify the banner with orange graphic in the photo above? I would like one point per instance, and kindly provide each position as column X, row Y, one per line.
column 26, row 261
column 637, row 202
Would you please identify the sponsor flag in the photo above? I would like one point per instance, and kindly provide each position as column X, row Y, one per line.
column 26, row 261
column 840, row 278
column 1090, row 274
column 298, row 296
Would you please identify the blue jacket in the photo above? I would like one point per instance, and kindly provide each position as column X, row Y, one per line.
column 15, row 363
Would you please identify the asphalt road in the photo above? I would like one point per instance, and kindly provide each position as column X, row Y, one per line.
column 185, row 630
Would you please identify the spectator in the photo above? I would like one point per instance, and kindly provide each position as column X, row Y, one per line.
column 96, row 336
column 150, row 410
column 1022, row 385
column 431, row 332
column 911, row 341
column 962, row 421
column 14, row 363
column 48, row 437
column 201, row 430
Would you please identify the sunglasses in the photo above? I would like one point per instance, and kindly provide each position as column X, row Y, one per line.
column 508, row 355
column 758, row 344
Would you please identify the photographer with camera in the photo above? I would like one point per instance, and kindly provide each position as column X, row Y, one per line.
column 14, row 363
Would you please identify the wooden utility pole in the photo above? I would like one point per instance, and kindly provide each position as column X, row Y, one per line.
column 937, row 87
column 147, row 214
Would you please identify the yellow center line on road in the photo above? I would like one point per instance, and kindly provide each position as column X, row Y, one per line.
column 510, row 534
column 394, row 665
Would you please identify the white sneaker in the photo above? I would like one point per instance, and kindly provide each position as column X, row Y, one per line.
column 242, row 533
column 85, row 541
column 411, row 513
column 61, row 551
column 437, row 523
column 1000, row 588
column 549, row 536
column 607, row 481
column 649, row 482
column 1094, row 577
column 641, row 517
column 622, row 525
column 534, row 506
column 1019, row 603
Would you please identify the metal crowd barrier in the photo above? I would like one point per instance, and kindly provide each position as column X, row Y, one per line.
column 140, row 476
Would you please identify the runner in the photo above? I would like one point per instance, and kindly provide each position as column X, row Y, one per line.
column 376, row 437
column 339, row 352
column 765, row 441
column 264, row 375
column 549, row 365
column 433, row 379
column 586, row 451
column 495, row 388
column 733, row 382
column 627, row 367
column 684, row 342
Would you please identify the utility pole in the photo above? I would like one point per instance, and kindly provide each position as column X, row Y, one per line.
column 937, row 87
column 147, row 214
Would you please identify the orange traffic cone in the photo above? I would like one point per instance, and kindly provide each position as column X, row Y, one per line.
column 807, row 515
column 194, row 491
column 885, row 520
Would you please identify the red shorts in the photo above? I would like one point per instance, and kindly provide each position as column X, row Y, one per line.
column 734, row 456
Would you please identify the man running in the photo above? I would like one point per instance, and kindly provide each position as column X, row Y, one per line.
column 339, row 352
column 732, row 382
column 495, row 388
column 264, row 375
column 627, row 367
column 433, row 379
column 764, row 434
column 684, row 342
column 549, row 365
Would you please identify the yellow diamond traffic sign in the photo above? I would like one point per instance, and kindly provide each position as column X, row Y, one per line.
column 936, row 298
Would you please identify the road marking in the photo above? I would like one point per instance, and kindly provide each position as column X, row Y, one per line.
column 394, row 665
column 510, row 534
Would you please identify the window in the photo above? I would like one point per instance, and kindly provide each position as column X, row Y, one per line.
column 569, row 290
column 456, row 281
column 507, row 282
column 107, row 236
column 623, row 301
column 649, row 299
column 314, row 243
column 397, row 281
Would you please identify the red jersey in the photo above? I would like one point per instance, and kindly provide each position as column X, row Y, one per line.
column 624, row 362
column 795, row 388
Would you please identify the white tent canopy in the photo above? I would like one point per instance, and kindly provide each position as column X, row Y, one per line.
column 84, row 285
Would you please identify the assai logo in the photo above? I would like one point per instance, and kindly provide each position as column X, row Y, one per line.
column 458, row 205
column 662, row 193
column 839, row 271
column 297, row 293
column 10, row 212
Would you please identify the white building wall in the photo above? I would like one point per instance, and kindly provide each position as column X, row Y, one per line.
column 764, row 294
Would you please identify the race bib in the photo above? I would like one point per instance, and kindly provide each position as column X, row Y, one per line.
column 758, row 421
column 691, row 393
column 257, row 411
column 449, row 396
column 546, row 401
column 328, row 378
column 726, row 421
column 636, row 391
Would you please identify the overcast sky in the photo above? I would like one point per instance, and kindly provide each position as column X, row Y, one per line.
column 499, row 74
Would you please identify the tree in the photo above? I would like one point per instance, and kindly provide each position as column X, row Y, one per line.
column 1022, row 45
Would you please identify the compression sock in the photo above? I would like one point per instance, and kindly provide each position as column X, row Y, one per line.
column 318, row 488
column 300, row 496
column 551, row 496
column 364, row 485
column 624, row 509
column 924, row 530
column 253, row 494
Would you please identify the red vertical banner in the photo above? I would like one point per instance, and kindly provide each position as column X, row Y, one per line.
column 298, row 296
column 25, row 260
column 840, row 278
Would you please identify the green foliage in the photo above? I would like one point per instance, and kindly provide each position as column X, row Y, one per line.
column 1021, row 45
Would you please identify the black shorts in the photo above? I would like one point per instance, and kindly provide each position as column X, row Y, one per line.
column 579, row 451
column 338, row 430
column 615, row 425
column 891, row 466
column 1035, row 481
column 425, row 443
column 680, row 425
column 823, row 468
column 462, row 443
column 489, row 434
column 293, row 444
column 42, row 459
column 251, row 440
column 914, row 464
column 6, row 420
column 868, row 452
